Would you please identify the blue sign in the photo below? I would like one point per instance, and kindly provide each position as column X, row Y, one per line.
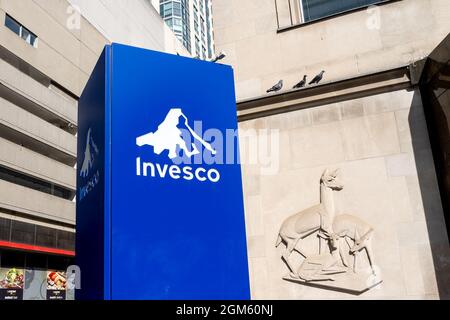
column 159, row 195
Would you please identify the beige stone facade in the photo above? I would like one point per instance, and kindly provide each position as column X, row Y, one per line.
column 344, row 46
column 378, row 142
column 366, row 118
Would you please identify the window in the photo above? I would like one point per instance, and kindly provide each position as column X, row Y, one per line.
column 35, row 184
column 196, row 27
column 316, row 9
column 177, row 9
column 296, row 12
column 177, row 25
column 203, row 52
column 66, row 240
column 20, row 30
column 45, row 237
column 5, row 229
column 12, row 24
column 29, row 233
column 166, row 9
column 22, row 232
column 176, row 16
column 197, row 47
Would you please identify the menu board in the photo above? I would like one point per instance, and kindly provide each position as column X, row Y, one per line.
column 56, row 285
column 11, row 284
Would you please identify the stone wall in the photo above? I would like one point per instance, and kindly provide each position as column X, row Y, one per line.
column 381, row 146
column 344, row 46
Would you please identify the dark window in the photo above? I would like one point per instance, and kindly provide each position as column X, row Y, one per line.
column 20, row 30
column 28, row 233
column 296, row 12
column 316, row 9
column 22, row 232
column 12, row 24
column 45, row 237
column 5, row 229
column 66, row 240
column 36, row 184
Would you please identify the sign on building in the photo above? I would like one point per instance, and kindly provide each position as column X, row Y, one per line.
column 159, row 192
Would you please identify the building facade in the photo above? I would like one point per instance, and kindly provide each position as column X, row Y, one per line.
column 47, row 52
column 192, row 23
column 354, row 151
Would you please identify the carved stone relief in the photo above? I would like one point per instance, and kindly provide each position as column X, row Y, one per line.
column 339, row 237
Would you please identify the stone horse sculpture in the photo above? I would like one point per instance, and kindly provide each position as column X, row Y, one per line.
column 309, row 221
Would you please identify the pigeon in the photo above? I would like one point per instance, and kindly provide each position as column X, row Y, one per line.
column 317, row 78
column 301, row 84
column 276, row 87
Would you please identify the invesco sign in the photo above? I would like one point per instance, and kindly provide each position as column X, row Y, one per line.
column 153, row 183
column 170, row 138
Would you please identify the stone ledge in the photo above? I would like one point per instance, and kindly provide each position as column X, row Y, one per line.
column 322, row 94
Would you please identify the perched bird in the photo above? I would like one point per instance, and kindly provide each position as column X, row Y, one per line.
column 276, row 87
column 301, row 84
column 317, row 78
column 221, row 56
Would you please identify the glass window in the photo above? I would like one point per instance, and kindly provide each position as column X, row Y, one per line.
column 26, row 35
column 36, row 184
column 166, row 9
column 28, row 233
column 197, row 46
column 5, row 229
column 66, row 240
column 20, row 30
column 196, row 27
column 316, row 9
column 45, row 237
column 33, row 40
column 22, row 232
column 177, row 9
column 177, row 25
column 12, row 24
column 169, row 22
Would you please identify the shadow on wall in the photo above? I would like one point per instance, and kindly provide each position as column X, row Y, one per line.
column 431, row 197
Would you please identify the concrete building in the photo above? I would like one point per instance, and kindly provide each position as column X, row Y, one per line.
column 47, row 52
column 367, row 117
column 192, row 23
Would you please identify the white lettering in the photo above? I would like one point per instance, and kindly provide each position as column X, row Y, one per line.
column 175, row 172
column 216, row 174
column 198, row 176
column 162, row 172
column 138, row 166
column 187, row 171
